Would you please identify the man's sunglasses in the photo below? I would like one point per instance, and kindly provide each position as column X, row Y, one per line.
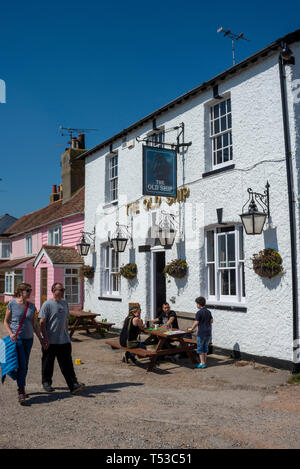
column 60, row 289
column 28, row 290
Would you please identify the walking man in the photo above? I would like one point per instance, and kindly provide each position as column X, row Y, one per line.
column 54, row 326
column 204, row 321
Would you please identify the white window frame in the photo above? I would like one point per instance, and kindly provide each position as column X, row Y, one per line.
column 238, row 266
column 28, row 244
column 156, row 138
column 74, row 274
column 12, row 274
column 218, row 138
column 55, row 230
column 109, row 272
column 2, row 244
column 113, row 169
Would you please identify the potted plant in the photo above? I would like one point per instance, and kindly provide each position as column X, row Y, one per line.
column 176, row 268
column 128, row 271
column 86, row 271
column 267, row 263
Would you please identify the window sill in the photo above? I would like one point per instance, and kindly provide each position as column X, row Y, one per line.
column 109, row 298
column 218, row 170
column 110, row 204
column 242, row 307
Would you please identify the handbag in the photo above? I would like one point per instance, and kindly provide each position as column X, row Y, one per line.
column 8, row 353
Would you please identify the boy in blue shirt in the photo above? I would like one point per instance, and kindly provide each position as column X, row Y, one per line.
column 204, row 321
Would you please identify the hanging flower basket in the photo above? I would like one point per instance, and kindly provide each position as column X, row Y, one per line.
column 267, row 263
column 176, row 268
column 86, row 271
column 128, row 271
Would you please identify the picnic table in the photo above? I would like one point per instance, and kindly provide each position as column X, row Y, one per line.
column 86, row 321
column 163, row 335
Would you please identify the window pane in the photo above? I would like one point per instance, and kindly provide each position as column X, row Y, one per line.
column 241, row 243
column 211, row 274
column 232, row 282
column 223, row 108
column 217, row 127
column 224, row 282
column 219, row 157
column 228, row 105
column 210, row 246
column 223, row 124
column 231, row 249
column 226, row 154
column 216, row 110
column 222, row 250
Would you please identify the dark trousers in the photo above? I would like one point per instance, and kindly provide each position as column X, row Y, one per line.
column 63, row 353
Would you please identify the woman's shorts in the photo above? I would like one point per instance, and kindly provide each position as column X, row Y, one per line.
column 202, row 344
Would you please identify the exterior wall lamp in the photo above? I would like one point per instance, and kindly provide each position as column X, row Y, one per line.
column 119, row 238
column 254, row 219
column 84, row 246
column 167, row 232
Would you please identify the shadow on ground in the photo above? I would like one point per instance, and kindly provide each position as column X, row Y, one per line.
column 63, row 393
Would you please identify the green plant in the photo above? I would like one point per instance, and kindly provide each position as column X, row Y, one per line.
column 86, row 271
column 3, row 307
column 128, row 271
column 177, row 268
column 267, row 263
column 295, row 379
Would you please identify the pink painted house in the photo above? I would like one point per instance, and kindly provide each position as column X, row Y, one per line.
column 43, row 243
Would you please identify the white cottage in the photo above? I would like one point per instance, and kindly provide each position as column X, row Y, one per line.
column 238, row 130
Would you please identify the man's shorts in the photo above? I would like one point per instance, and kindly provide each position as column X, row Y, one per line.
column 202, row 344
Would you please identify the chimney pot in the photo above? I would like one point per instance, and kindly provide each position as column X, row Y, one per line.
column 54, row 189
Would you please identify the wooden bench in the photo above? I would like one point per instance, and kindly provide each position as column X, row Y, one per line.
column 115, row 344
column 86, row 321
column 194, row 341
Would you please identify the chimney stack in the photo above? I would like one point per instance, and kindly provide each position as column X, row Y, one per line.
column 55, row 195
column 81, row 141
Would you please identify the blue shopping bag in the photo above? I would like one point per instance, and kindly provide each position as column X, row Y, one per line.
column 8, row 358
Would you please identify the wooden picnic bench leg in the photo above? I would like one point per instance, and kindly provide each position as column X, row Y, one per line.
column 154, row 357
column 74, row 327
column 98, row 327
column 189, row 352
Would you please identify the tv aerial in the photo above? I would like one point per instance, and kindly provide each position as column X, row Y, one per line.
column 233, row 37
column 69, row 131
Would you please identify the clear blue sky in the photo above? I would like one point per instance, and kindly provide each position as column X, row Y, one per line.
column 104, row 65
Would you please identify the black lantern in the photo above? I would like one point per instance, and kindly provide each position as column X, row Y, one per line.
column 119, row 240
column 254, row 219
column 166, row 232
column 83, row 247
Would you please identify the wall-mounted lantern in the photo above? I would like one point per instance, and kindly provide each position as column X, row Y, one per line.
column 84, row 246
column 254, row 218
column 167, row 232
column 119, row 239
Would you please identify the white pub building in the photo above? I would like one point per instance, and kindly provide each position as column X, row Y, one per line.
column 236, row 141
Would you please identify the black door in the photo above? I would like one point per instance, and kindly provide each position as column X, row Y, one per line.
column 160, row 280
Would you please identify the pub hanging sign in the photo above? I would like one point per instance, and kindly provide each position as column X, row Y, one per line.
column 159, row 172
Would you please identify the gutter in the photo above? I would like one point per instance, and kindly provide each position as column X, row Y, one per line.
column 292, row 201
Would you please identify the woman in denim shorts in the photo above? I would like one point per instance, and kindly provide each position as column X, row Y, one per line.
column 204, row 321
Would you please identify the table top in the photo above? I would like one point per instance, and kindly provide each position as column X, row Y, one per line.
column 163, row 332
column 83, row 314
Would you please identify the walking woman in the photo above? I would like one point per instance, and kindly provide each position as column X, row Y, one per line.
column 132, row 327
column 20, row 312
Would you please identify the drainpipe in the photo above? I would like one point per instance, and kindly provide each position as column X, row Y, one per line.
column 291, row 198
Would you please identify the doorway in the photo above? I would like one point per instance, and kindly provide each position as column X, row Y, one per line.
column 158, row 293
column 44, row 285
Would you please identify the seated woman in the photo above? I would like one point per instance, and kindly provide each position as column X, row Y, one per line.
column 132, row 327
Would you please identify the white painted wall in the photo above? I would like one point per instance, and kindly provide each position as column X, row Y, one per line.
column 258, row 146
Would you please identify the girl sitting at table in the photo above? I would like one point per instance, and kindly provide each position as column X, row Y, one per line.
column 132, row 327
